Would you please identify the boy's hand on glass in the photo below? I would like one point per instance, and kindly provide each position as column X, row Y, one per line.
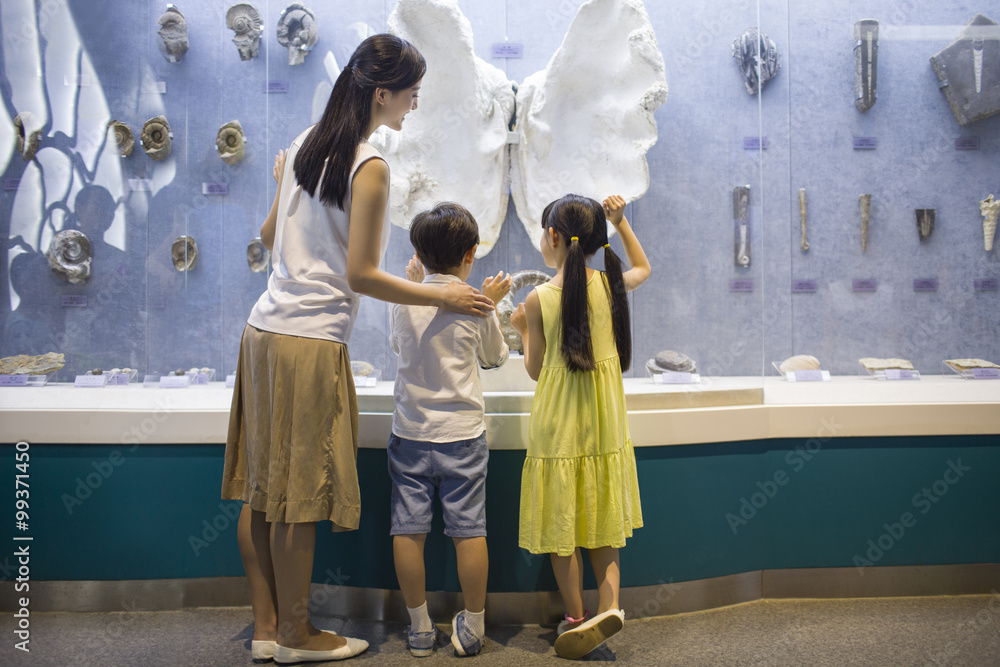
column 415, row 270
column 519, row 320
column 614, row 208
column 497, row 287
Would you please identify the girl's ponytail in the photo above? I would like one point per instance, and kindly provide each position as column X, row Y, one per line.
column 619, row 307
column 577, row 349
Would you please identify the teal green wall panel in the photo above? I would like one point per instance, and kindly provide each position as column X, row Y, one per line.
column 105, row 512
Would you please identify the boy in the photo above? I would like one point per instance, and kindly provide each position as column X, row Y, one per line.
column 438, row 442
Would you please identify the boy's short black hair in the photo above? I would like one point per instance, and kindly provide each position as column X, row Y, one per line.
column 442, row 236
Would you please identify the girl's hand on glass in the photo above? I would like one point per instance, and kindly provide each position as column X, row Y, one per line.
column 496, row 287
column 279, row 166
column 614, row 208
column 415, row 270
column 460, row 297
column 519, row 320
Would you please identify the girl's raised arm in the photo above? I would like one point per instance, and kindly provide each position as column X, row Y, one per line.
column 614, row 207
column 527, row 319
column 270, row 223
column 369, row 194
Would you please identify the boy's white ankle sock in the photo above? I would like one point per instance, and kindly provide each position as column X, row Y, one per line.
column 477, row 622
column 420, row 620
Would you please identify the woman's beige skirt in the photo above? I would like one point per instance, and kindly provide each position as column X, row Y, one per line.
column 293, row 431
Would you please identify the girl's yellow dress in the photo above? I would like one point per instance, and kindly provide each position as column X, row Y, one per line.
column 578, row 485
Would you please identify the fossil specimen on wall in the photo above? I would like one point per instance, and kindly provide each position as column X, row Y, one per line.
column 741, row 216
column 804, row 244
column 124, row 139
column 69, row 256
column 925, row 222
column 865, row 203
column 505, row 308
column 27, row 134
column 257, row 255
column 865, row 64
column 184, row 253
column 969, row 71
column 245, row 21
column 173, row 34
column 990, row 208
column 155, row 138
column 230, row 142
column 297, row 31
column 758, row 59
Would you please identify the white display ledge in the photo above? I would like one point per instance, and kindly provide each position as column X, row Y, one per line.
column 717, row 410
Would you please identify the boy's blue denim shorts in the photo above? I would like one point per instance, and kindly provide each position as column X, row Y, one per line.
column 455, row 471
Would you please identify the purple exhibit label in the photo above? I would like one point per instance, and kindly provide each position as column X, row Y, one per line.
column 755, row 143
column 276, row 87
column 803, row 286
column 215, row 188
column 13, row 380
column 986, row 284
column 865, row 143
column 864, row 285
column 986, row 373
column 741, row 285
column 809, row 376
column 11, row 184
column 967, row 144
column 507, row 50
column 925, row 284
column 74, row 300
column 900, row 374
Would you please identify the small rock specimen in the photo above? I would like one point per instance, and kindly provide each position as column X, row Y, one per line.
column 361, row 368
column 754, row 51
column 184, row 253
column 875, row 364
column 677, row 362
column 969, row 364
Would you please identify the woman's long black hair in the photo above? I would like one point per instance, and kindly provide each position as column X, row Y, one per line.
column 381, row 61
column 583, row 218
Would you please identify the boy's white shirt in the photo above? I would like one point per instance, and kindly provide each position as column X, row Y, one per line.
column 438, row 394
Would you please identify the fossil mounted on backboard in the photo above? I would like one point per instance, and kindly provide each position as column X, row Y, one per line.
column 124, row 139
column 804, row 244
column 505, row 308
column 27, row 134
column 865, row 203
column 969, row 71
column 990, row 209
column 230, row 142
column 758, row 59
column 257, row 255
column 741, row 219
column 925, row 222
column 244, row 20
column 297, row 31
column 69, row 256
column 173, row 34
column 184, row 253
column 155, row 138
column 865, row 64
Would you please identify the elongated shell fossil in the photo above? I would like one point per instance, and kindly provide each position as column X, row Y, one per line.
column 865, row 204
column 184, row 253
column 925, row 222
column 257, row 255
column 230, row 142
column 990, row 209
column 245, row 21
column 173, row 34
column 124, row 139
column 297, row 31
column 69, row 256
column 753, row 50
column 155, row 138
column 505, row 308
column 27, row 138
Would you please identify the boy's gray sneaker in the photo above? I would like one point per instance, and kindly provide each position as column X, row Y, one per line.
column 421, row 644
column 464, row 639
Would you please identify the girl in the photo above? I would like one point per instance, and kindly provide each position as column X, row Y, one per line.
column 291, row 454
column 578, row 485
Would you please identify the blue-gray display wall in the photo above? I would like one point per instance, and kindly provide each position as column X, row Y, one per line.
column 77, row 64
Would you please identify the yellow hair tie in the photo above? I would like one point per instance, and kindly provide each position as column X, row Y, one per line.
column 574, row 238
column 607, row 246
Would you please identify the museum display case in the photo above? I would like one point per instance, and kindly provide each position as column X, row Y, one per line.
column 815, row 185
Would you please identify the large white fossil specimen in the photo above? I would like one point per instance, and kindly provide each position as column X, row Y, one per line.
column 582, row 125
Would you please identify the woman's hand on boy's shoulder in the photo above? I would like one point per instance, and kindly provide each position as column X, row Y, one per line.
column 497, row 287
column 415, row 270
column 614, row 208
